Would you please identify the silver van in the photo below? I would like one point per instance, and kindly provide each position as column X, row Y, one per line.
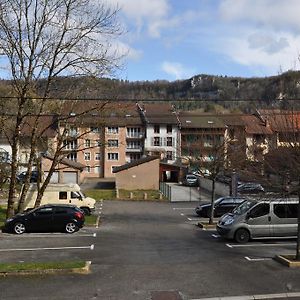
column 260, row 219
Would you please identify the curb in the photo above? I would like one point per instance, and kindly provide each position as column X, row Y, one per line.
column 84, row 270
column 206, row 225
column 287, row 260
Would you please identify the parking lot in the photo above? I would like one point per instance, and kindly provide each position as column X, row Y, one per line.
column 142, row 249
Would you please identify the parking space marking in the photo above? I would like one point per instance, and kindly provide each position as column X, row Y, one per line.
column 257, row 259
column 192, row 219
column 98, row 221
column 91, row 247
column 216, row 236
column 182, row 208
column 182, row 214
column 259, row 245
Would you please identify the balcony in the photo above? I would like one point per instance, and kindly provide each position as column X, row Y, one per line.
column 134, row 149
column 134, row 135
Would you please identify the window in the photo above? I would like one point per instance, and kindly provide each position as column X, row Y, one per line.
column 97, row 169
column 87, row 155
column 113, row 156
column 156, row 141
column 113, row 130
column 134, row 156
column 95, row 129
column 75, row 195
column 169, row 155
column 133, row 145
column 87, row 143
column 260, row 210
column 88, row 169
column 113, row 143
column 169, row 141
column 63, row 195
column 44, row 211
column 72, row 156
column 98, row 143
column 72, row 131
column 156, row 129
column 169, row 128
column 97, row 156
column 70, row 145
column 285, row 210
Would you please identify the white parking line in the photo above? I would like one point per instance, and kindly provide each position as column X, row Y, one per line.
column 257, row 259
column 192, row 219
column 182, row 214
column 252, row 297
column 91, row 247
column 259, row 245
column 216, row 236
column 181, row 208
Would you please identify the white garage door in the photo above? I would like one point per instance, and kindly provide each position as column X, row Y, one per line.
column 54, row 177
column 70, row 177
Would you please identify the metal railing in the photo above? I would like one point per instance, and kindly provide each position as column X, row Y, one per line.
column 165, row 189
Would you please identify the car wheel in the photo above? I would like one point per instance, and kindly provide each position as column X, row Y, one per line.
column 86, row 211
column 242, row 235
column 19, row 228
column 71, row 227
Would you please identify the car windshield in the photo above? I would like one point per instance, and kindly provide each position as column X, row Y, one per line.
column 243, row 207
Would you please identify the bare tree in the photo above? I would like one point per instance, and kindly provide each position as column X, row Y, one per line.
column 46, row 39
column 283, row 160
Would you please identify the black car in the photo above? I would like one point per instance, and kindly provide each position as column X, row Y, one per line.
column 222, row 205
column 250, row 188
column 47, row 218
column 33, row 178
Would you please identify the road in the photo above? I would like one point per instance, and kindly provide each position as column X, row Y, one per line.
column 148, row 250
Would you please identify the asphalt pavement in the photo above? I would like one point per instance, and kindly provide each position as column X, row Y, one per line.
column 149, row 250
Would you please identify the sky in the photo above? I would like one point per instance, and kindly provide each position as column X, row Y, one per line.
column 177, row 39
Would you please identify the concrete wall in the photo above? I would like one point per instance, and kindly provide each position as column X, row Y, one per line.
column 143, row 177
column 221, row 189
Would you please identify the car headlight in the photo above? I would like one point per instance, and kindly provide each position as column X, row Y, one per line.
column 228, row 221
column 9, row 220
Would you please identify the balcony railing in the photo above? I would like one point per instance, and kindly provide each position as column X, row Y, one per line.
column 134, row 135
column 134, row 149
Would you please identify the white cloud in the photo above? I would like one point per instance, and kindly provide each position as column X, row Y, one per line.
column 261, row 52
column 176, row 70
column 145, row 14
column 276, row 14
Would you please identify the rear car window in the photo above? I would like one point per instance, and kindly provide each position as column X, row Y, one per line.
column 286, row 210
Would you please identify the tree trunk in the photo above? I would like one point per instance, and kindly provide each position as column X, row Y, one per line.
column 211, row 218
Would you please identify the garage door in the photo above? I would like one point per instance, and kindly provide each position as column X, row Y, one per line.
column 70, row 177
column 54, row 177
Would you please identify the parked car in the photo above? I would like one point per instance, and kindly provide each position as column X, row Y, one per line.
column 47, row 218
column 191, row 180
column 221, row 206
column 21, row 177
column 260, row 219
column 250, row 188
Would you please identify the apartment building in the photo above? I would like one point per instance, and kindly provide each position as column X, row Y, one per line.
column 162, row 135
column 200, row 134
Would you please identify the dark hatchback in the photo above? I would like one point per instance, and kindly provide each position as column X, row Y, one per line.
column 250, row 188
column 47, row 218
column 222, row 205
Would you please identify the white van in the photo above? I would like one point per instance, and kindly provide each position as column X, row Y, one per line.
column 57, row 193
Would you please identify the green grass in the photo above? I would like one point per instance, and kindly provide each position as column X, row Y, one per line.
column 90, row 220
column 34, row 266
column 101, row 194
